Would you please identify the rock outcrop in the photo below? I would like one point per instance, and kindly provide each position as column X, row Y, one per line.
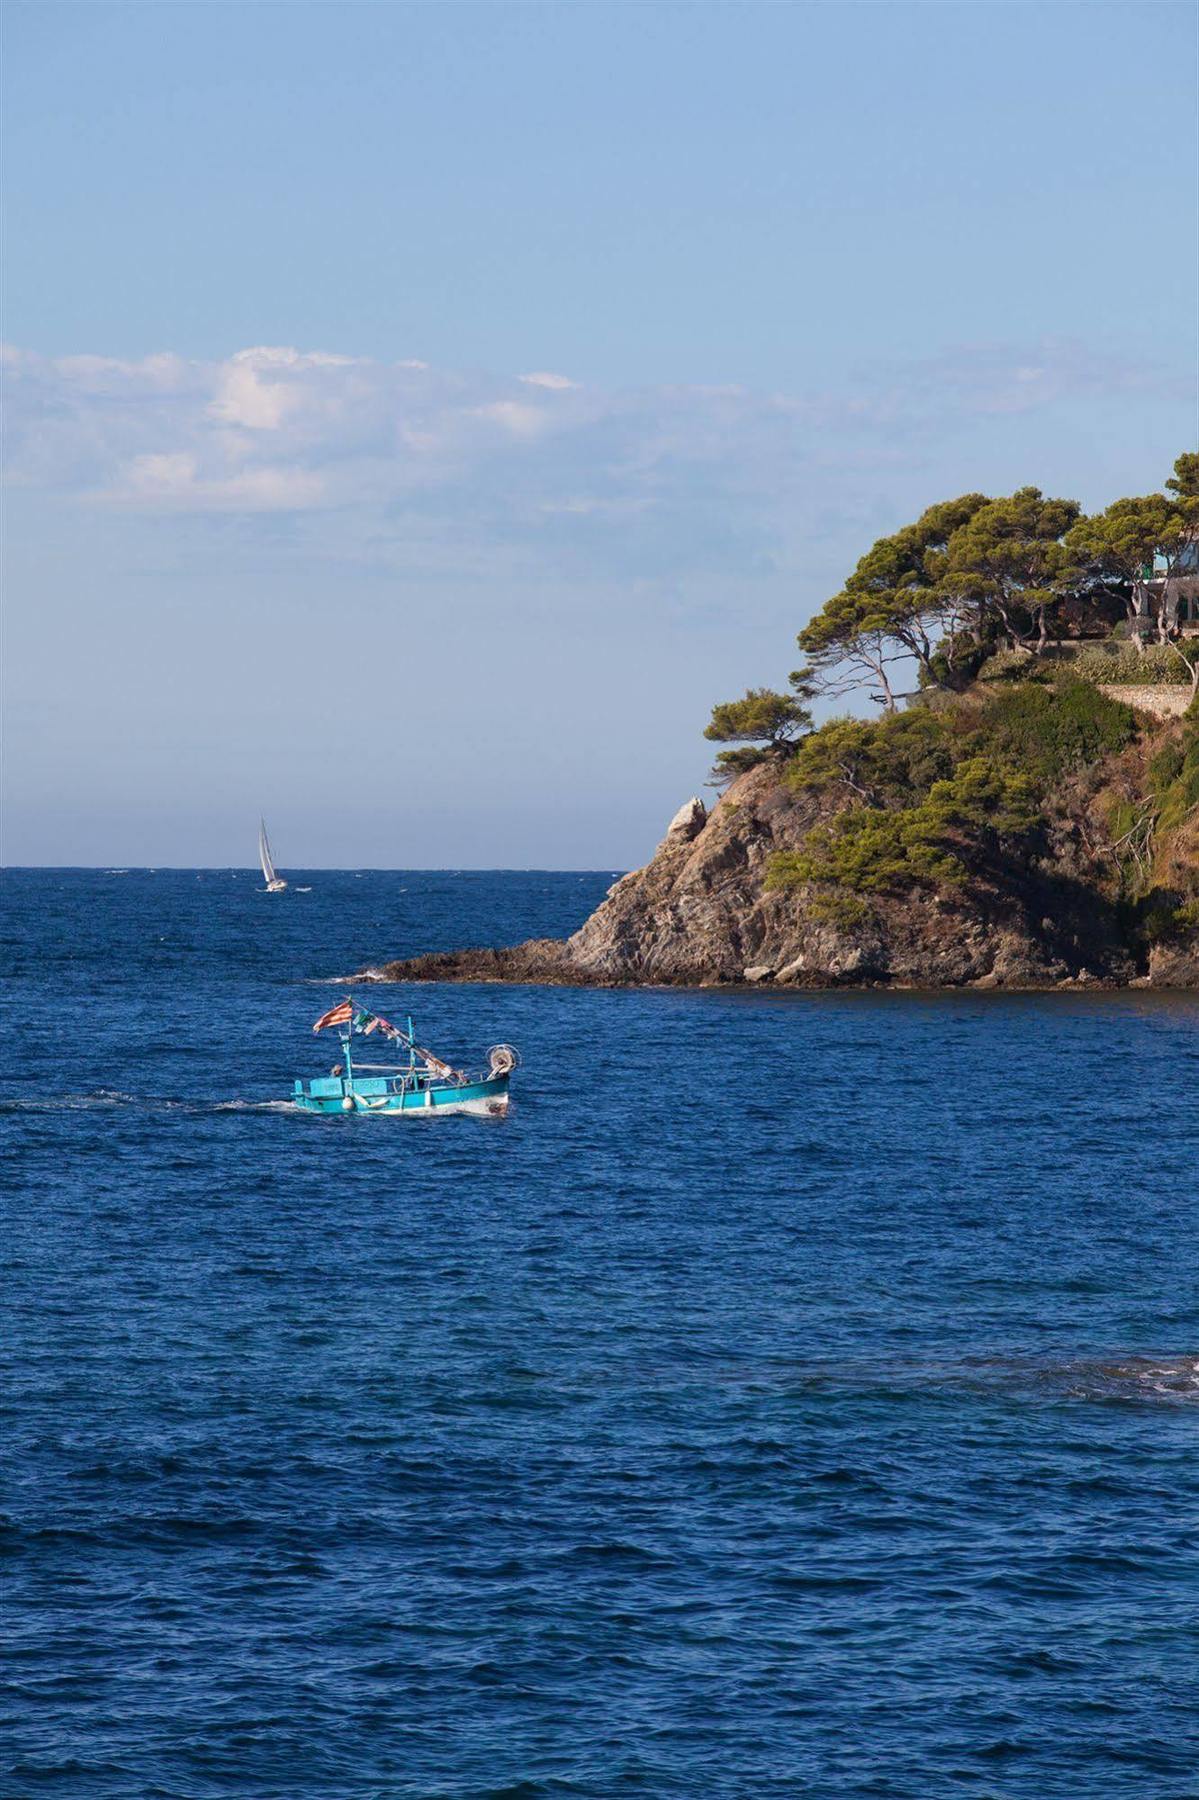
column 701, row 912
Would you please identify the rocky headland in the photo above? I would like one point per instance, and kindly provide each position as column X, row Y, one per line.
column 1052, row 910
column 1029, row 819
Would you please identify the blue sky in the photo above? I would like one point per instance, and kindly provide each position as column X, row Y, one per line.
column 418, row 416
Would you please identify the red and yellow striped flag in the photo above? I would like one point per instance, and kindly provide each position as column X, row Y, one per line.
column 341, row 1014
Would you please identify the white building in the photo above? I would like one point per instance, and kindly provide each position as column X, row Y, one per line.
column 1169, row 593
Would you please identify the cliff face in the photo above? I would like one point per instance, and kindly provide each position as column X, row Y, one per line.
column 1173, row 965
column 701, row 912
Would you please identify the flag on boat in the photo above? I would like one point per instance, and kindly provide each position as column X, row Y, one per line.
column 336, row 1015
column 346, row 1013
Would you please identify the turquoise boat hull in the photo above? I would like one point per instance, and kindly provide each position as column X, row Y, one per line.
column 401, row 1094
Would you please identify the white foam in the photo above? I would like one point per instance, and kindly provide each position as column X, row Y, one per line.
column 361, row 975
column 254, row 1106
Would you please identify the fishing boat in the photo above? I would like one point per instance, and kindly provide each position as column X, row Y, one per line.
column 420, row 1084
column 275, row 883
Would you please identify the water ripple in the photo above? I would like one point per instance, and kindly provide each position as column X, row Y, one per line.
column 796, row 1396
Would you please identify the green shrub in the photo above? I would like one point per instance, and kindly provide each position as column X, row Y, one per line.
column 1044, row 732
column 869, row 851
column 878, row 761
column 1166, row 767
column 873, row 850
column 1174, row 774
column 731, row 763
column 982, row 797
column 1007, row 665
column 1123, row 665
column 1109, row 662
column 1167, row 918
column 1039, row 728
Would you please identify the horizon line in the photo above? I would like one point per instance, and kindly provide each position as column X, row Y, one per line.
column 299, row 869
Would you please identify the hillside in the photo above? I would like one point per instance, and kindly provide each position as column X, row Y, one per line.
column 1027, row 833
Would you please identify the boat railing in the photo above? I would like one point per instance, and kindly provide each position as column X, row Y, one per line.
column 403, row 1080
column 458, row 1076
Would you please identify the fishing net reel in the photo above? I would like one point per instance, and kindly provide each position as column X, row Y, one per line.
column 502, row 1059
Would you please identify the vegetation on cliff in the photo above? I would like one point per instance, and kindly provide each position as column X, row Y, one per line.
column 932, row 795
column 763, row 723
column 1169, row 907
column 1009, row 821
column 1005, row 763
column 974, row 576
column 935, row 797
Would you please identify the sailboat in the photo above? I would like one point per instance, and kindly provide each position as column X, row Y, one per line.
column 275, row 883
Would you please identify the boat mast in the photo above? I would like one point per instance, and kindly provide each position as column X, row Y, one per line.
column 264, row 854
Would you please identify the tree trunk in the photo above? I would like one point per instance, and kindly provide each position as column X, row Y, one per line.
column 1132, row 607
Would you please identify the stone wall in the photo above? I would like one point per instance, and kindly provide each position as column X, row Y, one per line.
column 1169, row 701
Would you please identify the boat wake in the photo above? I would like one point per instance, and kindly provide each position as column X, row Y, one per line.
column 275, row 1106
column 102, row 1097
column 105, row 1098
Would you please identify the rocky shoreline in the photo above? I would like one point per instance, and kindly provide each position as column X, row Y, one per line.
column 701, row 914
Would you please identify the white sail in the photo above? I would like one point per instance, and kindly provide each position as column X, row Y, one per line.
column 273, row 881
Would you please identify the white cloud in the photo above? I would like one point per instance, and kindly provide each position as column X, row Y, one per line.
column 251, row 389
column 162, row 373
column 544, row 379
column 988, row 379
column 522, row 421
column 243, row 398
column 285, row 356
column 456, row 468
column 174, row 481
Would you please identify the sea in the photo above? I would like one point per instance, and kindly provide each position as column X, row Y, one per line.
column 797, row 1394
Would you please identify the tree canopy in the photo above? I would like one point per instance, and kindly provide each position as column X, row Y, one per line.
column 762, row 717
column 890, row 607
column 1008, row 561
column 974, row 571
column 1119, row 545
column 1184, row 485
column 1122, row 540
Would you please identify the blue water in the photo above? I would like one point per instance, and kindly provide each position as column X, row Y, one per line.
column 795, row 1395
